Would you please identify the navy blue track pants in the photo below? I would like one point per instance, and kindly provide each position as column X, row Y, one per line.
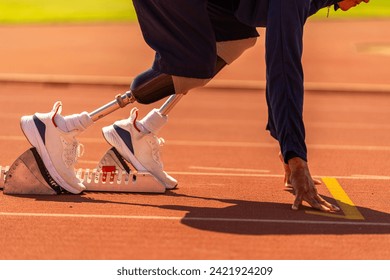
column 184, row 33
column 184, row 36
column 284, row 92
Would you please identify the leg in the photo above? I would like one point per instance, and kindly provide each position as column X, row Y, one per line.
column 192, row 65
column 285, row 75
column 47, row 132
column 136, row 140
column 285, row 23
column 133, row 138
column 191, row 37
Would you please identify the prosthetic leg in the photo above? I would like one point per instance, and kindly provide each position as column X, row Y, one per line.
column 28, row 175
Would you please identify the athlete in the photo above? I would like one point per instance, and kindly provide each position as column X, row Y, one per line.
column 193, row 40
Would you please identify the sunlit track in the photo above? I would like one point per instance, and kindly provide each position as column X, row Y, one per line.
column 231, row 201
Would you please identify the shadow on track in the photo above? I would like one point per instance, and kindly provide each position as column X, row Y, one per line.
column 253, row 217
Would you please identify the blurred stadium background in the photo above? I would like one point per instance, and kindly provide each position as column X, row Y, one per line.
column 74, row 11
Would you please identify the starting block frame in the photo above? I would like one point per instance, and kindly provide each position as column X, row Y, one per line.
column 28, row 175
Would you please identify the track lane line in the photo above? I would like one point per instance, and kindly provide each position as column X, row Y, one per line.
column 344, row 202
column 231, row 144
column 229, row 169
column 224, row 174
column 177, row 218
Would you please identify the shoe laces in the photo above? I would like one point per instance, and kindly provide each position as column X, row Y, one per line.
column 72, row 151
column 155, row 143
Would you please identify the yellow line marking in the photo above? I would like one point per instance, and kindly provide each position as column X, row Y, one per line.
column 344, row 202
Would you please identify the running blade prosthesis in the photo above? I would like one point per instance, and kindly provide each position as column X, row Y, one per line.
column 28, row 175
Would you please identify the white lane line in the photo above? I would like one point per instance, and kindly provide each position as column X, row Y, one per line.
column 229, row 144
column 224, row 174
column 244, row 172
column 228, row 169
column 346, row 125
column 270, row 145
column 12, row 138
column 354, row 177
column 254, row 175
column 208, row 219
column 369, row 177
column 232, row 144
column 349, row 147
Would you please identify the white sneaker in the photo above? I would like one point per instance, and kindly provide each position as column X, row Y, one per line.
column 59, row 150
column 140, row 149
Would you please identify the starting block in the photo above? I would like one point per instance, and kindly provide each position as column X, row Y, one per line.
column 28, row 175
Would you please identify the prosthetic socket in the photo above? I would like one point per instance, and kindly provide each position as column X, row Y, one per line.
column 151, row 86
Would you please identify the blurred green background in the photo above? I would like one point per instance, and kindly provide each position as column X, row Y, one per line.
column 60, row 11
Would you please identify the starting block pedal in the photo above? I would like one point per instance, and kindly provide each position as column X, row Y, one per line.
column 114, row 174
column 28, row 175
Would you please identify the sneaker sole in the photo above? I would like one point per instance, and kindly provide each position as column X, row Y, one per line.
column 29, row 129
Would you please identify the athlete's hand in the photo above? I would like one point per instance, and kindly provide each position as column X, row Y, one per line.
column 345, row 5
column 287, row 174
column 304, row 187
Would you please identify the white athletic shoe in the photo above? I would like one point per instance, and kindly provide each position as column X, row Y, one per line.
column 140, row 149
column 59, row 150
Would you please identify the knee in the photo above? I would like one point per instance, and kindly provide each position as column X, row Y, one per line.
column 229, row 51
column 185, row 84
